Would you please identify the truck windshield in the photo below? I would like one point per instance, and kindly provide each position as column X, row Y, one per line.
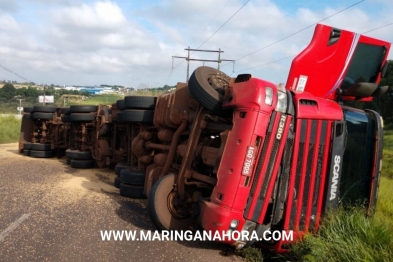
column 358, row 156
column 365, row 65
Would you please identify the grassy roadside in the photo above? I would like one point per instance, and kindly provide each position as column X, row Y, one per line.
column 9, row 129
column 102, row 99
column 347, row 235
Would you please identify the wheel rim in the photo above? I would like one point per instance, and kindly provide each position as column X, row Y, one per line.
column 163, row 208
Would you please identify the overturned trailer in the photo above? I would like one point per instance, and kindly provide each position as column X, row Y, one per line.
column 243, row 154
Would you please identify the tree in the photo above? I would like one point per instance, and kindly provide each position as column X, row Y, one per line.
column 8, row 91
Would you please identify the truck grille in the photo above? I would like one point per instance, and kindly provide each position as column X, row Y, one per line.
column 267, row 169
column 304, row 201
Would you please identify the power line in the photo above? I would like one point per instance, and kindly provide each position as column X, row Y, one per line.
column 286, row 14
column 173, row 68
column 301, row 30
column 377, row 28
column 271, row 62
column 224, row 24
column 13, row 72
column 222, row 9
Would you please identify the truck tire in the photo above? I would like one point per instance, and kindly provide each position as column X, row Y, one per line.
column 117, row 182
column 41, row 154
column 138, row 116
column 120, row 104
column 82, row 109
column 131, row 191
column 26, row 152
column 78, row 155
column 40, row 147
column 65, row 110
column 81, row 117
column 28, row 109
column 26, row 145
column 207, row 85
column 44, row 109
column 68, row 160
column 140, row 102
column 158, row 206
column 119, row 117
column 132, row 177
column 119, row 167
column 66, row 119
column 82, row 163
column 27, row 116
column 43, row 116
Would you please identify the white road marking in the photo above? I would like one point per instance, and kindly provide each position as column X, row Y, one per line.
column 14, row 225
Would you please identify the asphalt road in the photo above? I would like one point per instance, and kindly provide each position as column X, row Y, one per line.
column 52, row 212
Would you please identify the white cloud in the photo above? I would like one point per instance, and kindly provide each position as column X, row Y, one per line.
column 120, row 43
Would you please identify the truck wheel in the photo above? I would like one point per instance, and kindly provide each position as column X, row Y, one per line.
column 82, row 109
column 140, row 102
column 119, row 167
column 26, row 145
column 82, row 163
column 28, row 109
column 78, row 155
column 27, row 116
column 117, row 182
column 80, row 117
column 40, row 147
column 132, row 177
column 44, row 116
column 119, row 117
column 161, row 206
column 208, row 85
column 138, row 116
column 120, row 104
column 68, row 160
column 65, row 110
column 26, row 152
column 44, row 109
column 66, row 119
column 131, row 191
column 41, row 154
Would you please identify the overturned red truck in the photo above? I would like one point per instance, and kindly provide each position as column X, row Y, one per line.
column 238, row 154
column 253, row 156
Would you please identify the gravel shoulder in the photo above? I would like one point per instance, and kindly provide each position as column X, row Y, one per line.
column 66, row 210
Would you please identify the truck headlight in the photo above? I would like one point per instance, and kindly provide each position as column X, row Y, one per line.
column 234, row 223
column 282, row 101
column 268, row 96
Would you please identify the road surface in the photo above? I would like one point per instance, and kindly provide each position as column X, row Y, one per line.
column 52, row 212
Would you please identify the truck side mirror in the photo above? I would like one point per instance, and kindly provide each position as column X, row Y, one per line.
column 362, row 89
column 380, row 90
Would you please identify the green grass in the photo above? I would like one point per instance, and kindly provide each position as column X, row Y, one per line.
column 348, row 235
column 9, row 129
column 101, row 99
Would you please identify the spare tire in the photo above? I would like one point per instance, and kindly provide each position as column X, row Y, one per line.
column 207, row 85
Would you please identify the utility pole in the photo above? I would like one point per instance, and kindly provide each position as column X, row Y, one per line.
column 188, row 59
column 20, row 105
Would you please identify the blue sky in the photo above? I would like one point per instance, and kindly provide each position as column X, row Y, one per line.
column 131, row 43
